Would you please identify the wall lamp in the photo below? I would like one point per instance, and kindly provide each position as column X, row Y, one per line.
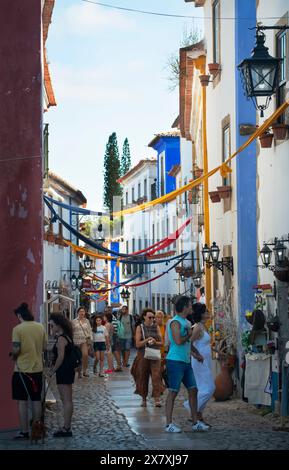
column 211, row 258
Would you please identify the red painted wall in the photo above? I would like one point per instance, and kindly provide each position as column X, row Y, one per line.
column 20, row 177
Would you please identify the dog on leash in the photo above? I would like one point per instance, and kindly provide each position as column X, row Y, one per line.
column 38, row 431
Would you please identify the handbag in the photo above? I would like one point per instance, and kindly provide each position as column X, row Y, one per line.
column 87, row 338
column 151, row 353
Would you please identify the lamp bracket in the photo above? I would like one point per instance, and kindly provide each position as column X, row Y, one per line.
column 226, row 262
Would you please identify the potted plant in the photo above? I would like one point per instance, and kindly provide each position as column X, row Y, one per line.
column 224, row 191
column 214, row 195
column 214, row 69
column 266, row 139
column 279, row 130
column 204, row 79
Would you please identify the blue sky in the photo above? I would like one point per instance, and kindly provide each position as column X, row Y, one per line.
column 108, row 74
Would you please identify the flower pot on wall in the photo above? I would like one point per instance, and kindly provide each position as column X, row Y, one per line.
column 204, row 79
column 224, row 191
column 266, row 140
column 279, row 131
column 214, row 195
column 214, row 69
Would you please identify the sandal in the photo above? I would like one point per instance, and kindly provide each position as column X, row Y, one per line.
column 63, row 433
column 158, row 404
column 144, row 404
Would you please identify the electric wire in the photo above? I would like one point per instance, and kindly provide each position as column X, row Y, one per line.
column 172, row 15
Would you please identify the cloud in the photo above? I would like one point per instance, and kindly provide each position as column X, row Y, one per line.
column 86, row 19
column 86, row 85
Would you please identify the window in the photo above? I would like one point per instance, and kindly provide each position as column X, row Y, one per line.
column 60, row 227
column 138, row 191
column 134, row 306
column 186, row 196
column 132, row 195
column 153, row 233
column 158, row 302
column 153, row 302
column 281, row 86
column 126, row 198
column 216, row 31
column 226, row 150
column 168, row 304
column 158, row 231
column 174, row 229
column 140, row 307
column 162, row 179
column 163, row 304
column 153, row 191
column 145, row 188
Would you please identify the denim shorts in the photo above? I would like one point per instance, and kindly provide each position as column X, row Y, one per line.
column 125, row 344
column 99, row 346
column 179, row 372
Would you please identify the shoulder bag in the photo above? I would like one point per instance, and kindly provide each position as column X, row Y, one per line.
column 150, row 353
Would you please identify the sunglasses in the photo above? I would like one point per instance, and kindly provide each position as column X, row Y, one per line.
column 151, row 318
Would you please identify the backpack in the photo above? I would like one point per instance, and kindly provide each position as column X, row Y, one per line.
column 75, row 356
column 120, row 329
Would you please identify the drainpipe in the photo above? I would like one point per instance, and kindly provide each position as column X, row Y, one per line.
column 200, row 64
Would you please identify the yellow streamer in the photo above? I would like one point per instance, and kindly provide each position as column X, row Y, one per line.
column 224, row 169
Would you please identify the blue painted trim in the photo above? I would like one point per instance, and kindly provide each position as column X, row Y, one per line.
column 114, row 275
column 172, row 156
column 245, row 167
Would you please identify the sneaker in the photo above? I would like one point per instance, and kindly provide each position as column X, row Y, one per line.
column 101, row 374
column 108, row 371
column 200, row 426
column 21, row 435
column 172, row 428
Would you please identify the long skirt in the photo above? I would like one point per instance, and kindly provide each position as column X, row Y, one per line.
column 142, row 369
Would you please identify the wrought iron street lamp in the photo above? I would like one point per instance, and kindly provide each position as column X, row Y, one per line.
column 79, row 282
column 260, row 71
column 87, row 262
column 197, row 280
column 125, row 294
column 73, row 282
column 266, row 254
column 279, row 253
column 211, row 258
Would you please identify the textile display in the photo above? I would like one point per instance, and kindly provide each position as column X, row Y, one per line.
column 257, row 373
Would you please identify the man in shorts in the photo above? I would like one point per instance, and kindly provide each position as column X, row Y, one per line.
column 178, row 364
column 28, row 344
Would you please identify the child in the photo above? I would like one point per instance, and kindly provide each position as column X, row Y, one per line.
column 100, row 344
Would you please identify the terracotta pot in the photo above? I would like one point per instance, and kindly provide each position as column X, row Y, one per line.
column 224, row 383
column 204, row 79
column 214, row 69
column 214, row 195
column 266, row 140
column 279, row 131
column 224, row 191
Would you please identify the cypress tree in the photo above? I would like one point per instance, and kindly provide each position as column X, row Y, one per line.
column 125, row 158
column 111, row 172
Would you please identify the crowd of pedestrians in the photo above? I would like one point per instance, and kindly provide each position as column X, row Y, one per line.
column 170, row 351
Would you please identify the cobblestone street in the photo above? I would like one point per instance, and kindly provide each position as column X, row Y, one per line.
column 108, row 416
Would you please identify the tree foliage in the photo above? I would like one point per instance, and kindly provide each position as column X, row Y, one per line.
column 111, row 172
column 173, row 63
column 125, row 158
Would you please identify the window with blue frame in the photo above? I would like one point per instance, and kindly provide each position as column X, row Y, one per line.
column 281, row 49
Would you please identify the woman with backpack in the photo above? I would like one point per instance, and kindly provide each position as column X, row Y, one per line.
column 63, row 351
